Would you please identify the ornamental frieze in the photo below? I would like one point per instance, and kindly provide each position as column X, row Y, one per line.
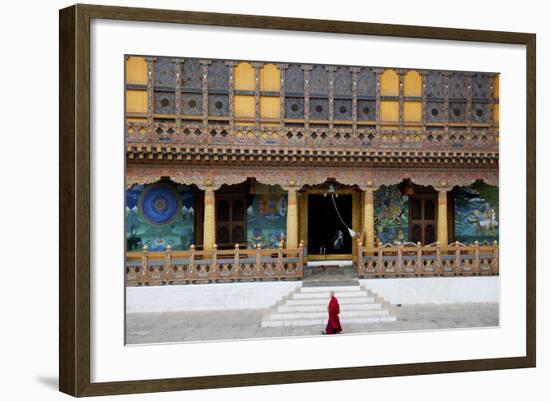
column 207, row 177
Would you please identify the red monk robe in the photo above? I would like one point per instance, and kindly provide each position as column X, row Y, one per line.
column 333, row 325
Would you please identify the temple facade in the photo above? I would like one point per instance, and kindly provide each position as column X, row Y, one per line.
column 246, row 170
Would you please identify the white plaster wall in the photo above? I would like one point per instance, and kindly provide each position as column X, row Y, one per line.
column 435, row 290
column 201, row 297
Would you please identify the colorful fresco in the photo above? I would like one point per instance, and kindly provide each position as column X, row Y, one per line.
column 266, row 220
column 158, row 215
column 476, row 213
column 391, row 215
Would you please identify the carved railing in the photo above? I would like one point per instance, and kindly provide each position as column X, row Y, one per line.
column 415, row 260
column 196, row 267
column 300, row 137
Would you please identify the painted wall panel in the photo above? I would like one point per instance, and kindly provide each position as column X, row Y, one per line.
column 136, row 101
column 391, row 214
column 476, row 213
column 158, row 215
column 270, row 107
column 266, row 217
column 389, row 111
column 412, row 111
column 245, row 106
column 136, row 71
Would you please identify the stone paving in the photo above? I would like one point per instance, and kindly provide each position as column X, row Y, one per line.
column 143, row 328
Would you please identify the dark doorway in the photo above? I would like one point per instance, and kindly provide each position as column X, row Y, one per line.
column 326, row 233
column 231, row 220
column 422, row 218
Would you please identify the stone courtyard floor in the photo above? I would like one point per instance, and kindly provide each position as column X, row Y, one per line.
column 144, row 328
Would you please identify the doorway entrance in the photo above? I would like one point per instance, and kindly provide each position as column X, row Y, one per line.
column 422, row 218
column 327, row 235
column 231, row 220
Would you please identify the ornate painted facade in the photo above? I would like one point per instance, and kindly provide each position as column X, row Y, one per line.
column 416, row 151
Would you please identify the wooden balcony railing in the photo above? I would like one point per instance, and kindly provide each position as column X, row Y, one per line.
column 415, row 260
column 195, row 267
column 478, row 138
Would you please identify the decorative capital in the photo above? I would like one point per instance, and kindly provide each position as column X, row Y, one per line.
column 209, row 183
column 442, row 186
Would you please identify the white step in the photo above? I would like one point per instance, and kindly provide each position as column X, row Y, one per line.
column 307, row 306
column 344, row 316
column 324, row 301
column 320, row 295
column 327, row 290
column 323, row 322
column 323, row 308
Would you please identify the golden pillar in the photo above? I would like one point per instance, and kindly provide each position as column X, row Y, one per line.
column 356, row 220
column 442, row 236
column 209, row 231
column 292, row 219
column 368, row 217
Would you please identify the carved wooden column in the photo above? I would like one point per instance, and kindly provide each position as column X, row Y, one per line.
column 231, row 92
column 178, row 62
column 205, row 64
column 446, row 102
column 307, row 69
column 257, row 68
column 491, row 96
column 442, row 231
column 378, row 72
column 331, row 70
column 209, row 231
column 423, row 75
column 150, row 61
column 368, row 216
column 282, row 71
column 292, row 216
column 401, row 74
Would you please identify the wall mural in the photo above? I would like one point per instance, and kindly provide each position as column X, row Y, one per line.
column 266, row 220
column 391, row 215
column 158, row 215
column 476, row 213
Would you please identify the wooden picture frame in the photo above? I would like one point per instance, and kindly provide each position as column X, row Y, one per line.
column 75, row 207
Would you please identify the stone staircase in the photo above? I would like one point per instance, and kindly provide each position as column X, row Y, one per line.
column 307, row 306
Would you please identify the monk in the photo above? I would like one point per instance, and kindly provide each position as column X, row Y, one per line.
column 333, row 308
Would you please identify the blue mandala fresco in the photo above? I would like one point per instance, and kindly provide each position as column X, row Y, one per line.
column 159, row 203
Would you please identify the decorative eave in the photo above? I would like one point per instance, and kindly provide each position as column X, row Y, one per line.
column 371, row 157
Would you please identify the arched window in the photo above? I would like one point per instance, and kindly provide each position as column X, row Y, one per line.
column 389, row 108
column 245, row 85
column 412, row 108
column 270, row 86
column 342, row 94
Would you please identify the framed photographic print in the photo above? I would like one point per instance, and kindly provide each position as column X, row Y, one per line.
column 242, row 195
